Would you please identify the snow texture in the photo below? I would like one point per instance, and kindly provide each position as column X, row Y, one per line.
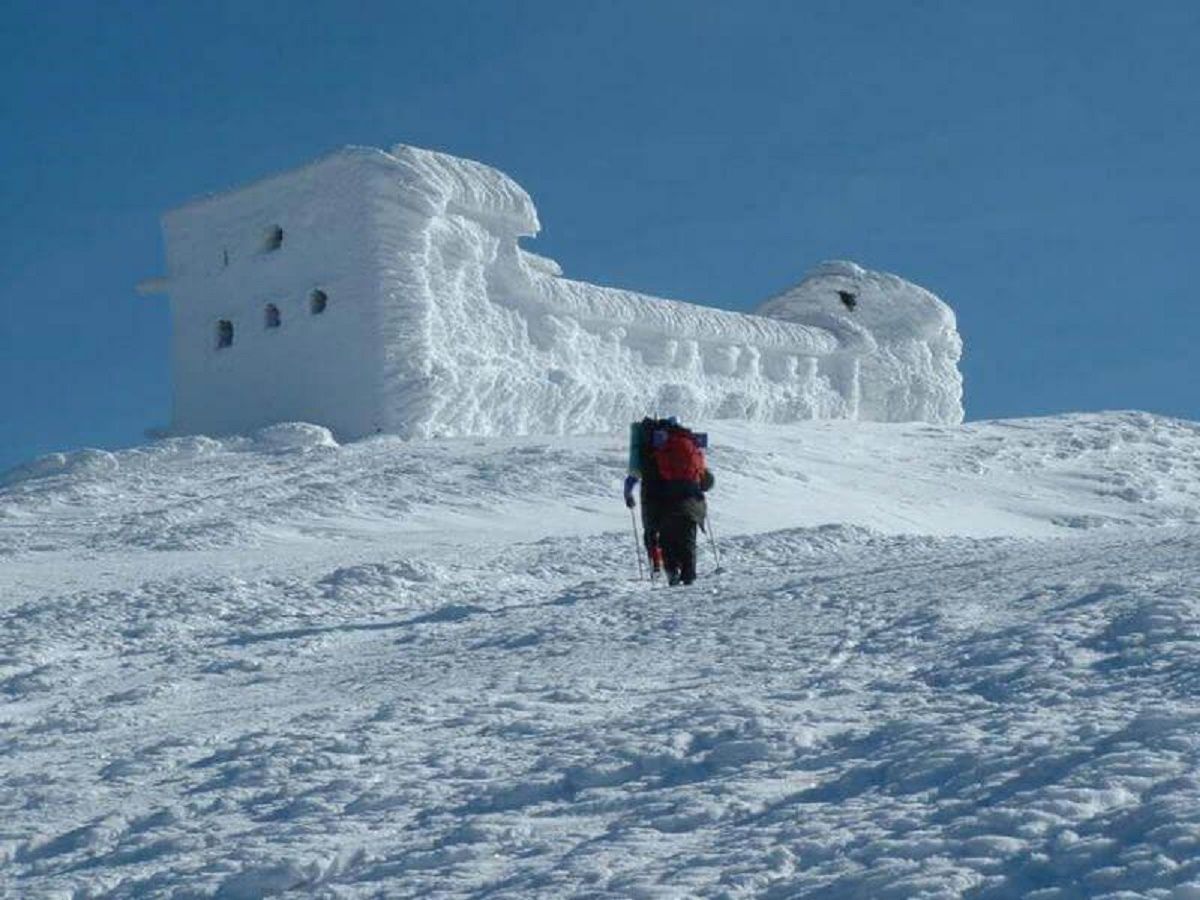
column 912, row 371
column 942, row 661
column 436, row 322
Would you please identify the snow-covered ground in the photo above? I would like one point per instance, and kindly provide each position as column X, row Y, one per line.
column 939, row 661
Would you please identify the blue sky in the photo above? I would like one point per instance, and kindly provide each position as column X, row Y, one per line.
column 1035, row 164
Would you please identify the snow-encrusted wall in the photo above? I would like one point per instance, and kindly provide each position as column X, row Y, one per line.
column 912, row 371
column 439, row 323
column 315, row 368
column 486, row 338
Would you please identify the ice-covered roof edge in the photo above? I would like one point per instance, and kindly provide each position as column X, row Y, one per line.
column 456, row 184
column 887, row 304
column 447, row 183
column 349, row 150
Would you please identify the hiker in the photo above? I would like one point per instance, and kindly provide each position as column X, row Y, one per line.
column 668, row 459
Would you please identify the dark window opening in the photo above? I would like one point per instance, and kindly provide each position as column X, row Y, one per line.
column 273, row 239
column 224, row 333
column 272, row 316
column 225, row 258
column 317, row 302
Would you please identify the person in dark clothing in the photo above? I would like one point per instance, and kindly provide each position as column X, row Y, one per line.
column 677, row 534
column 652, row 519
column 668, row 460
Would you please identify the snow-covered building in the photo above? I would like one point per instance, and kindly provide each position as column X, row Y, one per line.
column 379, row 291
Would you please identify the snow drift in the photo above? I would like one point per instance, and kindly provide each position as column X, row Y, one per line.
column 942, row 661
column 433, row 320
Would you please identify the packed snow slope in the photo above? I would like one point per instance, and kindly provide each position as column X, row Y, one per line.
column 940, row 661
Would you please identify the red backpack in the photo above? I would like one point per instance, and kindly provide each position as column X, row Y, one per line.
column 677, row 455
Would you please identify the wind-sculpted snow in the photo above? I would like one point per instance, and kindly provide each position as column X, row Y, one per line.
column 431, row 320
column 940, row 661
column 450, row 185
column 912, row 371
column 481, row 337
column 1030, row 477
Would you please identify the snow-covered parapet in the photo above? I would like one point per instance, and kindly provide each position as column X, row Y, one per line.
column 442, row 185
column 912, row 372
column 509, row 346
column 386, row 291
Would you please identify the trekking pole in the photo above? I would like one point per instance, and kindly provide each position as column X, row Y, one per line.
column 712, row 539
column 637, row 545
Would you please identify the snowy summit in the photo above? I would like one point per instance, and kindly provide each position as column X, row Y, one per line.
column 940, row 662
column 920, row 658
column 374, row 291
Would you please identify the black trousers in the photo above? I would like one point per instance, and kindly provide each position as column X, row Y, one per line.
column 678, row 538
column 652, row 516
column 671, row 525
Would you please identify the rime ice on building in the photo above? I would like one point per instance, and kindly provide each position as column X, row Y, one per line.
column 387, row 291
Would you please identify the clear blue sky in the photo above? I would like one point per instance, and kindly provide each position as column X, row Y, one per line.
column 1036, row 164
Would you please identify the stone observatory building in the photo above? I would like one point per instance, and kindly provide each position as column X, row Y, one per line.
column 374, row 291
